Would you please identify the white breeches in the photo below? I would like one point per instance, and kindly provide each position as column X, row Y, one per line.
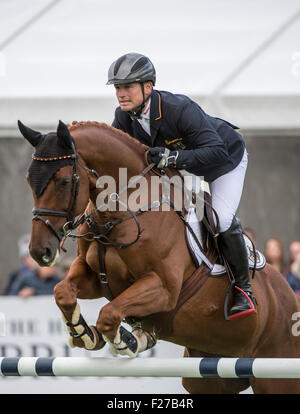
column 226, row 192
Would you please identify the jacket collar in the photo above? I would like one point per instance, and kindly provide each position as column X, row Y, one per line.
column 155, row 114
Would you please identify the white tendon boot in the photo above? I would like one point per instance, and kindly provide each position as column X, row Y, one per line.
column 90, row 337
column 131, row 343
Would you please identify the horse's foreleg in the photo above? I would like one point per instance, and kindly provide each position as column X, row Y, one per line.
column 80, row 283
column 146, row 296
column 131, row 343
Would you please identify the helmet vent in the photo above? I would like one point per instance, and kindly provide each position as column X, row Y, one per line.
column 139, row 64
column 118, row 64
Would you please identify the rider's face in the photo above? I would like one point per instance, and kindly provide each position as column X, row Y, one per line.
column 130, row 95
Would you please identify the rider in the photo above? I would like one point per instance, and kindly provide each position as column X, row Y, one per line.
column 199, row 143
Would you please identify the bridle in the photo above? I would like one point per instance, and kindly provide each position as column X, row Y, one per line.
column 69, row 214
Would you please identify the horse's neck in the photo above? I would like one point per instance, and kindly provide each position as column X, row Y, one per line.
column 110, row 156
column 106, row 153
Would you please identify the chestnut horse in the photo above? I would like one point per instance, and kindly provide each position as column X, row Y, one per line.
column 142, row 264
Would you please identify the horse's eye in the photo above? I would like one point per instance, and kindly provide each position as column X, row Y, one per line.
column 63, row 182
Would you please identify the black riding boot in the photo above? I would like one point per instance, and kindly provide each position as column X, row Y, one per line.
column 232, row 244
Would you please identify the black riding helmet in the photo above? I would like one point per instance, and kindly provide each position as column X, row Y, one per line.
column 130, row 68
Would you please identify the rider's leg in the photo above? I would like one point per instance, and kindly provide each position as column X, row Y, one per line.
column 233, row 246
column 226, row 193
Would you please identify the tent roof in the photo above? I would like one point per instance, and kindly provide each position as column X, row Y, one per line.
column 239, row 61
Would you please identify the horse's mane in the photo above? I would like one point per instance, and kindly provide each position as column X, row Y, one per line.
column 115, row 131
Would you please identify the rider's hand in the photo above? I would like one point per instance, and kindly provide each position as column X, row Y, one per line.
column 163, row 157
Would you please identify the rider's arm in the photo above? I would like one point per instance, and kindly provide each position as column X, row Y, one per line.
column 206, row 147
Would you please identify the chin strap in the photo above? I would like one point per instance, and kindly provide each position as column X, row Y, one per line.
column 137, row 114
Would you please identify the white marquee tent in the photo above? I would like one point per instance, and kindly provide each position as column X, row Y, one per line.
column 239, row 60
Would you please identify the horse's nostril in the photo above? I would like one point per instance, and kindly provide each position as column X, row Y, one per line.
column 47, row 255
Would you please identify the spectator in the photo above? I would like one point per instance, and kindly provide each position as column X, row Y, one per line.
column 292, row 272
column 274, row 253
column 27, row 262
column 40, row 281
column 294, row 252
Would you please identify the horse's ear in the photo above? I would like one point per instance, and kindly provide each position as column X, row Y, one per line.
column 32, row 136
column 64, row 134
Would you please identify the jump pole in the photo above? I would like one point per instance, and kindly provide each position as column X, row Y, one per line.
column 151, row 367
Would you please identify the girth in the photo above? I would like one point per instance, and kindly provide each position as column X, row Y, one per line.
column 188, row 289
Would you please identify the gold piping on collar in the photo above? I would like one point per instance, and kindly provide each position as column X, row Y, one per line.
column 159, row 107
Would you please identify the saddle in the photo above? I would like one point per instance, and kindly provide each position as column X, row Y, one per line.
column 196, row 237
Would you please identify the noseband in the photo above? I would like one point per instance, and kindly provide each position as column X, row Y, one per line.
column 69, row 214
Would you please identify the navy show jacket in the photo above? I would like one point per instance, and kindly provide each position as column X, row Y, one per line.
column 207, row 146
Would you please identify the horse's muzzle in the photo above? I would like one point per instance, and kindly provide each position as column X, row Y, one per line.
column 44, row 256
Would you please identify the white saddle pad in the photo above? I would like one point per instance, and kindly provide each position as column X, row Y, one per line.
column 217, row 269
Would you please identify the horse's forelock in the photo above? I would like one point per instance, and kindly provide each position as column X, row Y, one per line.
column 40, row 170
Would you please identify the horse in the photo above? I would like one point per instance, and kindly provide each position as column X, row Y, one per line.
column 141, row 263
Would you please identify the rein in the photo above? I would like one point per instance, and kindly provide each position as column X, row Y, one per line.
column 100, row 231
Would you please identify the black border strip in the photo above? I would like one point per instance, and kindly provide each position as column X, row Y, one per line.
column 43, row 367
column 243, row 367
column 208, row 367
column 9, row 367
